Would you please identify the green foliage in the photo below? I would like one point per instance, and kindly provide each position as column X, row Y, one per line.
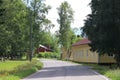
column 17, row 17
column 10, row 78
column 40, row 24
column 102, row 27
column 48, row 39
column 48, row 55
column 65, row 19
column 20, row 71
column 55, row 44
column 4, row 65
column 113, row 74
column 11, row 30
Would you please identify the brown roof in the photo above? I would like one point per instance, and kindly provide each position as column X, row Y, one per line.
column 81, row 42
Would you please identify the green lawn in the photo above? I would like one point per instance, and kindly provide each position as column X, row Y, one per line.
column 10, row 65
column 16, row 70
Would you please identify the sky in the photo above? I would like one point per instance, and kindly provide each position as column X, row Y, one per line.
column 81, row 9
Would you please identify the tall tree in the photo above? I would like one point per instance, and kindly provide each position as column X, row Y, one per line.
column 102, row 27
column 15, row 25
column 36, row 24
column 11, row 27
column 65, row 19
column 40, row 22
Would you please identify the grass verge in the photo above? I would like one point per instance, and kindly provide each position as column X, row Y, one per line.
column 18, row 72
column 113, row 74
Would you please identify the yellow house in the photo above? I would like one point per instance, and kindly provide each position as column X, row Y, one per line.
column 81, row 53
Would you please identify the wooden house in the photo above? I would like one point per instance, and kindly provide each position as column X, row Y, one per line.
column 43, row 49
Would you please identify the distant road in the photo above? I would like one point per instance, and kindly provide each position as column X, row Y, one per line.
column 61, row 70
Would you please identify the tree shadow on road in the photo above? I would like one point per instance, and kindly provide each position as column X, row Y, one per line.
column 62, row 71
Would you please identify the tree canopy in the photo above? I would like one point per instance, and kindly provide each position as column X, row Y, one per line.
column 65, row 13
column 16, row 17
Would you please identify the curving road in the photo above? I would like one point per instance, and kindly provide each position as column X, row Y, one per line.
column 61, row 70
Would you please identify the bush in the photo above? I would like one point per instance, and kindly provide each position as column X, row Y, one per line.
column 48, row 55
column 113, row 66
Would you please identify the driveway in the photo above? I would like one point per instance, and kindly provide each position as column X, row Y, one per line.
column 61, row 70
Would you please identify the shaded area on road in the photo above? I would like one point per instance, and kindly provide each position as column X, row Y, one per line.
column 60, row 70
column 74, row 70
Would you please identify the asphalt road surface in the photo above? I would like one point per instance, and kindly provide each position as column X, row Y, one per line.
column 61, row 70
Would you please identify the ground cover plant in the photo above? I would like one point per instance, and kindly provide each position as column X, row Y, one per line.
column 111, row 71
column 16, row 70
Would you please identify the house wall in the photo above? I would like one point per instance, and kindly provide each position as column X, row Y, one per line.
column 106, row 59
column 83, row 54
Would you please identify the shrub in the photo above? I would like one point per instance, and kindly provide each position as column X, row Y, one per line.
column 113, row 66
column 48, row 55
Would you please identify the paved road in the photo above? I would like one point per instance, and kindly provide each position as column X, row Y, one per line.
column 60, row 70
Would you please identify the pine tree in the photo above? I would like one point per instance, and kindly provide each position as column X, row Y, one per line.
column 102, row 27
